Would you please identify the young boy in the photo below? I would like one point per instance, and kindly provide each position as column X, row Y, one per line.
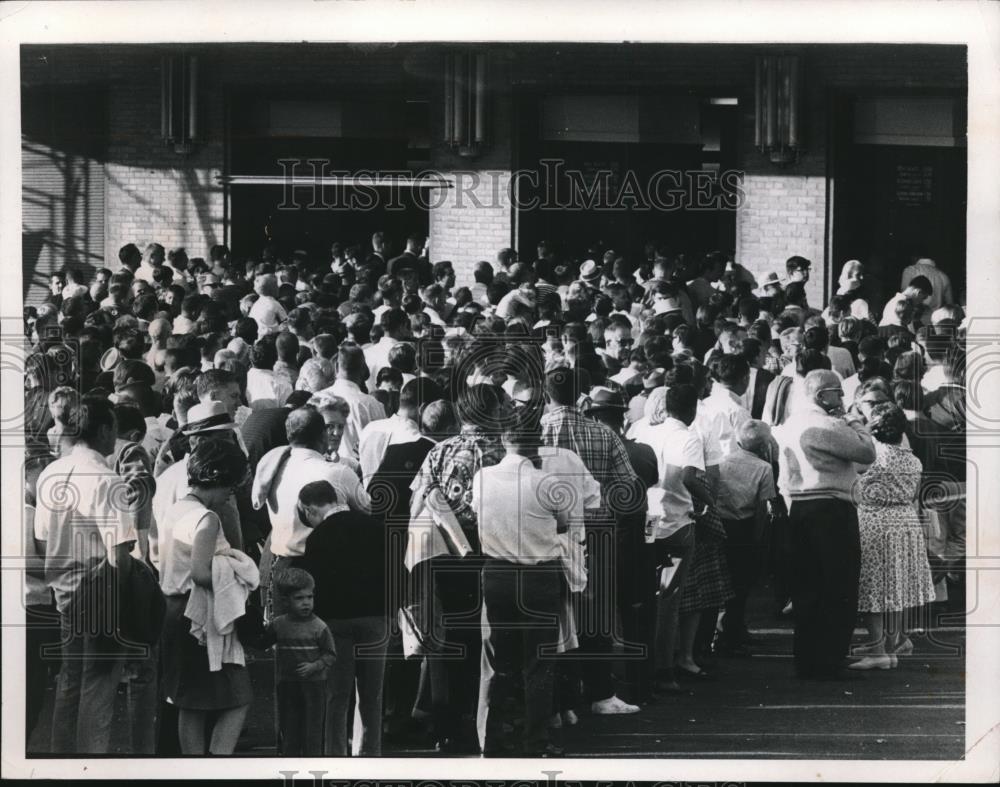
column 304, row 654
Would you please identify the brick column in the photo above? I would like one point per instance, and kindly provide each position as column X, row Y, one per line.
column 470, row 221
column 783, row 215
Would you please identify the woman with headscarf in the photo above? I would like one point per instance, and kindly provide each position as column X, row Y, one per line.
column 850, row 288
column 895, row 574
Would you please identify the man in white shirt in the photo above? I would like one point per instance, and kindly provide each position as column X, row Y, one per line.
column 680, row 457
column 81, row 520
column 521, row 513
column 283, row 471
column 351, row 373
column 395, row 329
column 724, row 404
column 939, row 280
column 154, row 259
column 391, row 291
column 917, row 291
column 401, row 427
column 266, row 311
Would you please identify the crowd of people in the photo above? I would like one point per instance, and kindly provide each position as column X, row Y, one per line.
column 478, row 512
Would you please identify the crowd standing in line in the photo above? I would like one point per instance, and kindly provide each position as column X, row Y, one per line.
column 486, row 511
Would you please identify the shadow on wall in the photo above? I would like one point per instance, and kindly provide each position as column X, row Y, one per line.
column 62, row 188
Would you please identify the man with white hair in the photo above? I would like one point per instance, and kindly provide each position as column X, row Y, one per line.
column 820, row 446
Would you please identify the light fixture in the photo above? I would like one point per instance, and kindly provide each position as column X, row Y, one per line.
column 179, row 101
column 465, row 103
column 777, row 107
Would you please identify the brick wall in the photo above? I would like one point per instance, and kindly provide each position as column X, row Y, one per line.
column 471, row 221
column 783, row 215
column 153, row 192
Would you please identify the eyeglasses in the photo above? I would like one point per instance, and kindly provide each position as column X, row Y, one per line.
column 835, row 390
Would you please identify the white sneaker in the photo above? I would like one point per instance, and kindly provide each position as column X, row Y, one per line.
column 569, row 718
column 611, row 706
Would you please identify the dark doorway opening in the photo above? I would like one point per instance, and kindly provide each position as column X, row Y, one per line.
column 682, row 204
column 894, row 203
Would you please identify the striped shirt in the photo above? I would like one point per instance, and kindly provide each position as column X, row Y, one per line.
column 300, row 642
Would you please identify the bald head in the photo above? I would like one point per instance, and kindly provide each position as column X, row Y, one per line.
column 159, row 328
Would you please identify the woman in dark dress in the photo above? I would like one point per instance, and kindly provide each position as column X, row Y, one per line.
column 190, row 537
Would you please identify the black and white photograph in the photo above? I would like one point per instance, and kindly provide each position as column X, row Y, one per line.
column 545, row 391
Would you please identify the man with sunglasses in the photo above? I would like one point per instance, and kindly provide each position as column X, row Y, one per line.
column 820, row 447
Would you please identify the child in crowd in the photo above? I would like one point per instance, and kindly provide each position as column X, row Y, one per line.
column 304, row 654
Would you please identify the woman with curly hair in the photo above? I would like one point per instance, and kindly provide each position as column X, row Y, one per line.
column 895, row 574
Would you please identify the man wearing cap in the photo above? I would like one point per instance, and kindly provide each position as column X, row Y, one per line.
column 820, row 447
column 590, row 275
column 205, row 421
column 770, row 285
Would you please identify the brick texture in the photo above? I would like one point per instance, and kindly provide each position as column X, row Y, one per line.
column 473, row 221
column 783, row 215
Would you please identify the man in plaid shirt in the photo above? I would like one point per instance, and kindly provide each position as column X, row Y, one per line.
column 605, row 457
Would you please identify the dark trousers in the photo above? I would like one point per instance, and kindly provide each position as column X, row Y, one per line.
column 595, row 615
column 637, row 580
column 41, row 652
column 301, row 712
column 522, row 606
column 85, row 693
column 455, row 672
column 743, row 556
column 826, row 550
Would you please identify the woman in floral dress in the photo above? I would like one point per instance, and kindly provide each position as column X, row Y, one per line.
column 895, row 574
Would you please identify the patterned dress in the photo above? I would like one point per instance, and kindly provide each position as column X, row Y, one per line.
column 895, row 574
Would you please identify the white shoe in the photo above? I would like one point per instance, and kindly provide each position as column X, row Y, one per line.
column 569, row 718
column 611, row 706
column 872, row 662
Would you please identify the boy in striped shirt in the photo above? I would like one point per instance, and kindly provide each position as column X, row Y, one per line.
column 304, row 653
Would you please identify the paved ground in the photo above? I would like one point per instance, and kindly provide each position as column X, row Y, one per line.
column 755, row 708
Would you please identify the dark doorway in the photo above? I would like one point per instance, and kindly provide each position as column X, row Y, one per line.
column 896, row 202
column 272, row 139
column 608, row 173
column 308, row 220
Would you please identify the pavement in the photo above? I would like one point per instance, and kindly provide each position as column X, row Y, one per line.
column 755, row 707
